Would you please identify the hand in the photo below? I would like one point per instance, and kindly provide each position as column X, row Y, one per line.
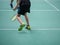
column 14, row 8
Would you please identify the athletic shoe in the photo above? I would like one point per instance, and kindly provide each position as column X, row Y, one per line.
column 21, row 27
column 28, row 27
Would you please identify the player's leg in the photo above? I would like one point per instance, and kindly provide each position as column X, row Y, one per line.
column 26, row 17
column 20, row 21
column 27, row 20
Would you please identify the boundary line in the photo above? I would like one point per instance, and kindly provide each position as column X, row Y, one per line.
column 36, row 29
column 31, row 10
column 51, row 5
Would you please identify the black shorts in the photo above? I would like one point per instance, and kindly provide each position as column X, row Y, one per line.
column 23, row 9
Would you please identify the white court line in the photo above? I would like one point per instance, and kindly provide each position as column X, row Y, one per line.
column 8, row 29
column 51, row 5
column 31, row 10
column 36, row 29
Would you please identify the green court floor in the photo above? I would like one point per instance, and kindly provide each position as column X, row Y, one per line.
column 37, row 37
column 44, row 20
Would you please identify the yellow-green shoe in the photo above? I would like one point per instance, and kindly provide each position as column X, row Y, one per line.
column 21, row 27
column 28, row 27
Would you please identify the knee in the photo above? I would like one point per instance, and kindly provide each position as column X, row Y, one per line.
column 18, row 15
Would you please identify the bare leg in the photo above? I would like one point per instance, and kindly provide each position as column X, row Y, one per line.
column 27, row 20
column 19, row 19
column 26, row 17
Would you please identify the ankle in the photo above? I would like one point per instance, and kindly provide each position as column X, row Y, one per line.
column 28, row 25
